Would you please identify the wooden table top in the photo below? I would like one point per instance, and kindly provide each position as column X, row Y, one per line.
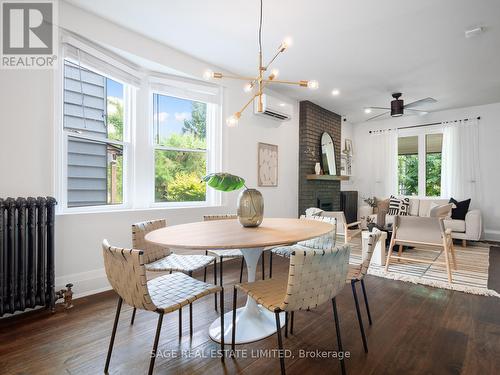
column 230, row 234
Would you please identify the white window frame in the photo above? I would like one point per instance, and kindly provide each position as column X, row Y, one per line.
column 420, row 133
column 181, row 90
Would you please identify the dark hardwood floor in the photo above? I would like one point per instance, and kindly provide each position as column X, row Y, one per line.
column 416, row 330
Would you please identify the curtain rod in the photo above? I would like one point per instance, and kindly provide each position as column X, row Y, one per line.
column 422, row 125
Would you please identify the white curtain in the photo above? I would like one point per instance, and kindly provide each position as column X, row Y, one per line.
column 384, row 162
column 460, row 161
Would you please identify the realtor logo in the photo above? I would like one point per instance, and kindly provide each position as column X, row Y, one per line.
column 28, row 34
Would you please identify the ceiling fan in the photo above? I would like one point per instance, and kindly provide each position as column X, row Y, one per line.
column 398, row 107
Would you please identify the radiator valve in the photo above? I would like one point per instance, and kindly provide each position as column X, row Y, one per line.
column 67, row 295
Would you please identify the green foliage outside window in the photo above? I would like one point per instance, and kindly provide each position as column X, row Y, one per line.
column 433, row 175
column 178, row 173
column 408, row 174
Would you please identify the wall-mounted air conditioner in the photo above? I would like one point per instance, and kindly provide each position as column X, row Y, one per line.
column 273, row 108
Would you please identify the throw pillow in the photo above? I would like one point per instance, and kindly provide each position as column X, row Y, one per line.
column 393, row 205
column 460, row 210
column 398, row 206
column 440, row 210
column 404, row 207
column 382, row 210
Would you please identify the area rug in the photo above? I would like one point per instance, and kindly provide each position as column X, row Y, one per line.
column 471, row 276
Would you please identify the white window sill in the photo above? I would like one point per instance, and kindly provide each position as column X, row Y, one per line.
column 156, row 207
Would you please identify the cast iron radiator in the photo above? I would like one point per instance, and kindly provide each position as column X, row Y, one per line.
column 26, row 253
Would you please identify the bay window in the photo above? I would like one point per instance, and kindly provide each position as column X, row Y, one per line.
column 132, row 138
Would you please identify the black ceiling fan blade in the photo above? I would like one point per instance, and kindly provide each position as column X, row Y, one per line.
column 374, row 117
column 420, row 102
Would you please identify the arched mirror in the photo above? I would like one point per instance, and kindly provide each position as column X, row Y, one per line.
column 328, row 154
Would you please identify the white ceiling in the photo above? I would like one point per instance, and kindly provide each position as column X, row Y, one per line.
column 367, row 49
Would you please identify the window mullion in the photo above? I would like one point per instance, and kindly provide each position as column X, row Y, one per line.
column 421, row 166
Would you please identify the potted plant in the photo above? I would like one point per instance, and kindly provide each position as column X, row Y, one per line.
column 250, row 206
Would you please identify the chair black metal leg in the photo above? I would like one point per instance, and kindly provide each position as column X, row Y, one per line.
column 180, row 322
column 155, row 345
column 337, row 328
column 215, row 282
column 286, row 324
column 358, row 312
column 222, row 358
column 113, row 334
column 220, row 271
column 280, row 343
column 205, row 271
column 271, row 264
column 233, row 334
column 241, row 269
column 366, row 301
column 263, row 268
column 291, row 322
column 133, row 317
column 190, row 319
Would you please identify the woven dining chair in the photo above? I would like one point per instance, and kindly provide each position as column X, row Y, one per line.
column 326, row 241
column 158, row 258
column 314, row 277
column 126, row 272
column 357, row 274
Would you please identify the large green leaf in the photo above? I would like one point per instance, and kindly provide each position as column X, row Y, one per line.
column 224, row 181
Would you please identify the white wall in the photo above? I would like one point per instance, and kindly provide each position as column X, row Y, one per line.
column 347, row 131
column 489, row 137
column 27, row 156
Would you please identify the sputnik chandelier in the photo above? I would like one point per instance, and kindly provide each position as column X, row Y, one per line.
column 256, row 85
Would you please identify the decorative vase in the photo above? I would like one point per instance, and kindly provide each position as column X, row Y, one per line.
column 317, row 168
column 250, row 208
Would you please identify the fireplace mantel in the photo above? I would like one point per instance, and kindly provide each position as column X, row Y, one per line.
column 326, row 177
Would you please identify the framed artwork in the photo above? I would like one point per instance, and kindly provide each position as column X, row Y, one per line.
column 348, row 146
column 267, row 165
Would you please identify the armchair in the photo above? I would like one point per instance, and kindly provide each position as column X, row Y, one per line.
column 348, row 230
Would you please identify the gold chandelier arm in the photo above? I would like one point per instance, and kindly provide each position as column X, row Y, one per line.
column 272, row 60
column 298, row 83
column 241, row 78
column 248, row 103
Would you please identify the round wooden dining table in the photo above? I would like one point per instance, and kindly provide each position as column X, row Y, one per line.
column 253, row 322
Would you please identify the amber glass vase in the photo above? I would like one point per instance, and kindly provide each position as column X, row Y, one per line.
column 250, row 208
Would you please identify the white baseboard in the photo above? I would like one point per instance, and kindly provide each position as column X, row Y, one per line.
column 492, row 234
column 85, row 283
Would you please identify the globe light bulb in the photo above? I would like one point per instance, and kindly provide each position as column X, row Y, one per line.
column 287, row 42
column 335, row 92
column 248, row 87
column 208, row 75
column 274, row 74
column 232, row 121
column 313, row 85
column 368, row 110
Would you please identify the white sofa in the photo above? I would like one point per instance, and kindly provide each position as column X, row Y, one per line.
column 469, row 229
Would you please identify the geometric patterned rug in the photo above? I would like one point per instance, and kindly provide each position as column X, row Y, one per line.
column 471, row 275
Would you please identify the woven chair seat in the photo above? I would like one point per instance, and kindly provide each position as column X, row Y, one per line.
column 269, row 293
column 230, row 253
column 286, row 251
column 171, row 292
column 181, row 263
column 354, row 272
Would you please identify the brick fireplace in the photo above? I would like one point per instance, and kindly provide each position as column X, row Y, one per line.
column 314, row 120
